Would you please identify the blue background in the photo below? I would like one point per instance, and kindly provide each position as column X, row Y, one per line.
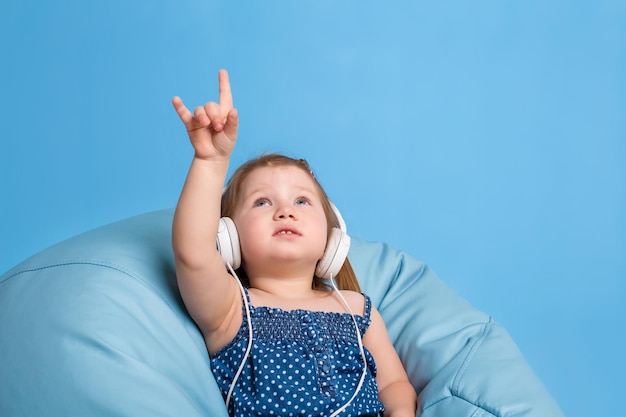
column 486, row 138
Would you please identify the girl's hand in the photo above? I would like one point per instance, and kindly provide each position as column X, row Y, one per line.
column 212, row 129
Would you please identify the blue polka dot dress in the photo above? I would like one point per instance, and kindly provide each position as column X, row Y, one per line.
column 302, row 363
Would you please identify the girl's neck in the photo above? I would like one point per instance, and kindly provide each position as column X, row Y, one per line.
column 287, row 288
column 291, row 296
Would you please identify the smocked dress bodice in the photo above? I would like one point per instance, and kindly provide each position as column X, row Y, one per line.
column 302, row 363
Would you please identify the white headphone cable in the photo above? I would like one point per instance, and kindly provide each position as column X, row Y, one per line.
column 249, row 320
column 249, row 347
column 361, row 349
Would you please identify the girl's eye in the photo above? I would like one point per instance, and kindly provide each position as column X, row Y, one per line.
column 302, row 201
column 261, row 202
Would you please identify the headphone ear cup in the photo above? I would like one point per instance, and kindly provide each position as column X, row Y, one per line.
column 335, row 254
column 228, row 242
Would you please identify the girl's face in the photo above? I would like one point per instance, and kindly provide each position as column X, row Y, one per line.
column 280, row 220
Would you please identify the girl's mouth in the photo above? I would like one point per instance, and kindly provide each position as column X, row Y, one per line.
column 286, row 232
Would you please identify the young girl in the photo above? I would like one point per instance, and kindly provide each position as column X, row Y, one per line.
column 287, row 344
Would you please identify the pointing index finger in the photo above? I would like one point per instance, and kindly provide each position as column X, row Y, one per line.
column 226, row 96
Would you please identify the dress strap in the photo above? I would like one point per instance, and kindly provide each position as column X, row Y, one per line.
column 246, row 302
column 368, row 307
column 247, row 294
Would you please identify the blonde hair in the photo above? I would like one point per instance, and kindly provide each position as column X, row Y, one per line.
column 346, row 278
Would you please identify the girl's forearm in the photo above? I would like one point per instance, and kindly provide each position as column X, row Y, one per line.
column 399, row 399
column 198, row 210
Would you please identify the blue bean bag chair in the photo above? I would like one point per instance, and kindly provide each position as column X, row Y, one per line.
column 95, row 326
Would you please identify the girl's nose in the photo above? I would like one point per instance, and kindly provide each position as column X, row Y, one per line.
column 284, row 211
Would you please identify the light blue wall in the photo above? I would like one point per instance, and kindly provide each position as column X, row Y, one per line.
column 486, row 138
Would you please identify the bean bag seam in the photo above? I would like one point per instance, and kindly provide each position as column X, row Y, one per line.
column 479, row 409
column 104, row 264
column 414, row 278
column 486, row 328
column 470, row 355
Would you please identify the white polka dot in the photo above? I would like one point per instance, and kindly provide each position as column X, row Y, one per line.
column 284, row 350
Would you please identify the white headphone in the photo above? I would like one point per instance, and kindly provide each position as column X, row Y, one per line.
column 335, row 253
column 328, row 267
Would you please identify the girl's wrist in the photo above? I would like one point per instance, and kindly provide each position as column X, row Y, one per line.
column 217, row 165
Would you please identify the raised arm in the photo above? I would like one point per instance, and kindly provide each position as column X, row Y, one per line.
column 210, row 294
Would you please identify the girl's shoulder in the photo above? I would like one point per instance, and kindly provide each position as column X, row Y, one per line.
column 359, row 303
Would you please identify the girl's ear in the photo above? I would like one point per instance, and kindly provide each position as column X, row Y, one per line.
column 335, row 254
column 228, row 242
